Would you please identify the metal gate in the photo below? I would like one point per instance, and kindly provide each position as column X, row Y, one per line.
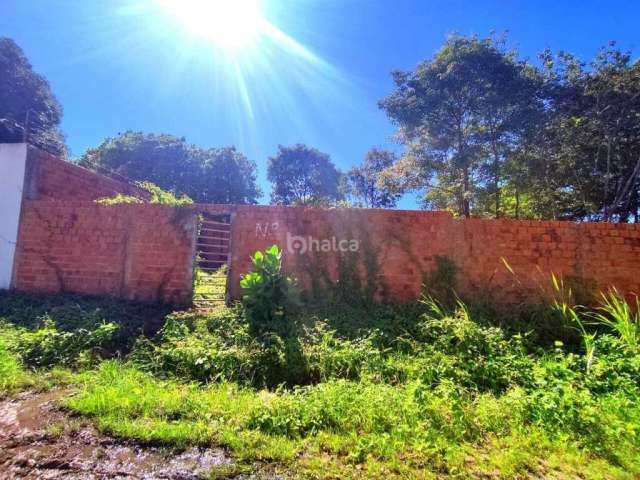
column 212, row 261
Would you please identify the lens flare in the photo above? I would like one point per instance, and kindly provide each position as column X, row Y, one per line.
column 243, row 68
column 229, row 24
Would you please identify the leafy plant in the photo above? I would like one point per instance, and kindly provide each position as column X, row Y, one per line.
column 269, row 295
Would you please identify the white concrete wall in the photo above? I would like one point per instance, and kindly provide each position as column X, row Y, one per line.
column 13, row 157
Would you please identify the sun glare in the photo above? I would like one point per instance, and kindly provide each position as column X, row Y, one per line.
column 229, row 24
column 244, row 66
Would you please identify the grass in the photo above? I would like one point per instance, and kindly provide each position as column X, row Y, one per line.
column 412, row 391
column 209, row 285
column 15, row 377
column 12, row 376
column 619, row 316
column 132, row 404
column 339, row 428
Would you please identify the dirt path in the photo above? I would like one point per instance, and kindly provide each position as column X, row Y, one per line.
column 40, row 441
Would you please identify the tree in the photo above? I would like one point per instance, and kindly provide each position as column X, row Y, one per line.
column 28, row 108
column 592, row 140
column 459, row 115
column 215, row 175
column 302, row 175
column 489, row 134
column 365, row 182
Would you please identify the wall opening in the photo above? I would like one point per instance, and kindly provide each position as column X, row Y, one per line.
column 213, row 255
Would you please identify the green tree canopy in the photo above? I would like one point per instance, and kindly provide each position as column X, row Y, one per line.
column 586, row 161
column 26, row 102
column 460, row 114
column 365, row 183
column 489, row 134
column 302, row 175
column 214, row 175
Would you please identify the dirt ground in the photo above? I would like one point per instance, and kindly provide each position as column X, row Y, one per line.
column 38, row 440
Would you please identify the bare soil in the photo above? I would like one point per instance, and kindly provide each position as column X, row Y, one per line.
column 39, row 440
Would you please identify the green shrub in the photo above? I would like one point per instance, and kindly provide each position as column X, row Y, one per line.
column 327, row 356
column 268, row 295
column 73, row 330
column 471, row 354
column 47, row 346
column 220, row 346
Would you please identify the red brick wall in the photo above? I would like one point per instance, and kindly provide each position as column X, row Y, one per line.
column 49, row 178
column 146, row 251
column 404, row 244
column 140, row 252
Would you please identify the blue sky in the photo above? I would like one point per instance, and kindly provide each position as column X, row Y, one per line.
column 117, row 65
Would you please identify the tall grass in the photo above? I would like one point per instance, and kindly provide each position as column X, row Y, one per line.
column 618, row 315
column 563, row 304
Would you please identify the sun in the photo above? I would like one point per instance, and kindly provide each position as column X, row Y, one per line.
column 228, row 24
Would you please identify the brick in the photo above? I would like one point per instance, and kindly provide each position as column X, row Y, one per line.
column 131, row 250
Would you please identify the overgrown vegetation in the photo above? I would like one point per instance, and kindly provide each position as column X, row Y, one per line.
column 423, row 390
column 209, row 285
column 454, row 396
column 73, row 330
column 156, row 195
column 11, row 374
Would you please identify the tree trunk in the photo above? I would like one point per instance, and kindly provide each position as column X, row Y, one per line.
column 606, row 183
column 496, row 175
column 626, row 191
column 466, row 210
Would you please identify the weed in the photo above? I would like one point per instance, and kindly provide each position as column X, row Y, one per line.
column 442, row 282
column 616, row 314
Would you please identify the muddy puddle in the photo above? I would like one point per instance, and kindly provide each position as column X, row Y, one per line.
column 40, row 441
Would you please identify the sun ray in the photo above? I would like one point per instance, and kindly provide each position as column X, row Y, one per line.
column 273, row 88
column 229, row 24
